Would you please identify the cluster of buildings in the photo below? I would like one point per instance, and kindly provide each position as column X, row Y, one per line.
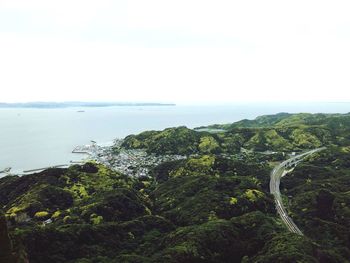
column 130, row 162
column 138, row 162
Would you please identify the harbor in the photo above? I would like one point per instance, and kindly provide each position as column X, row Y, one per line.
column 134, row 163
column 86, row 149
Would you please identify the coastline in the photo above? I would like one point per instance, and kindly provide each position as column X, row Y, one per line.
column 53, row 134
column 89, row 152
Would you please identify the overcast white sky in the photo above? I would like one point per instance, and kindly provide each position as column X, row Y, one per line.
column 179, row 51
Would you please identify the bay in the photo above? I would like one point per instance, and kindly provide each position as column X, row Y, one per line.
column 35, row 138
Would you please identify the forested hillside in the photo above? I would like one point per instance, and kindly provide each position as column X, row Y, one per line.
column 213, row 206
column 281, row 132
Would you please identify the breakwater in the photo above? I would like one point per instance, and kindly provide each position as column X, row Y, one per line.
column 44, row 168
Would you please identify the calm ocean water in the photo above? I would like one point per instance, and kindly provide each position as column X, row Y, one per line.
column 35, row 138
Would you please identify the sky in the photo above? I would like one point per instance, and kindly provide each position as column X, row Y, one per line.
column 183, row 51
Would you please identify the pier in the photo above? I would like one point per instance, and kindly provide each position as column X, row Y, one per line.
column 77, row 162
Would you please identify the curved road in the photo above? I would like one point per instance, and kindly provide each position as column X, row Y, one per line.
column 276, row 174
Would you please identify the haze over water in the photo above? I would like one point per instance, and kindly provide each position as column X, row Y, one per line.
column 36, row 138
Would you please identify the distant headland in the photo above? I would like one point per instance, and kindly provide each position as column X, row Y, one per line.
column 46, row 105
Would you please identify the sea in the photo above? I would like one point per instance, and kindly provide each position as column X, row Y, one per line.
column 36, row 138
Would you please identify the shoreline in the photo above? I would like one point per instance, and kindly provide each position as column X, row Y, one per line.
column 88, row 152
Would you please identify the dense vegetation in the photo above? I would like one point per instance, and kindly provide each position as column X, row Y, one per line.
column 320, row 203
column 203, row 209
column 213, row 206
column 281, row 132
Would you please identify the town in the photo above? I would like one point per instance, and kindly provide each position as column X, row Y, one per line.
column 136, row 163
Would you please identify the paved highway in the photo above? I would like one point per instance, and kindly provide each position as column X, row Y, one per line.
column 279, row 171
